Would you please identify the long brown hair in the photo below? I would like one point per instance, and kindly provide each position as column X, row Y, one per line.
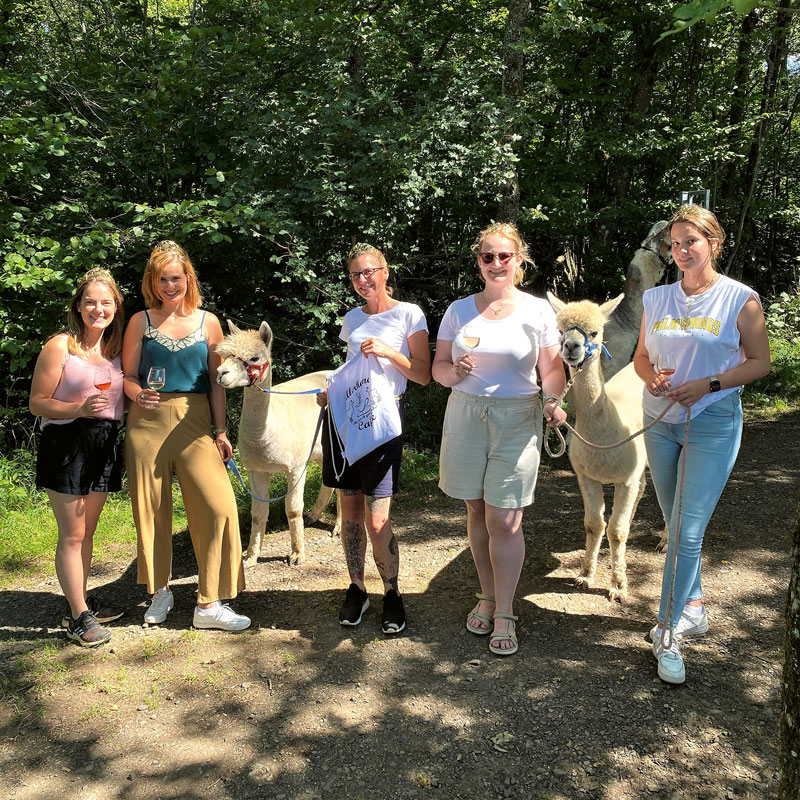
column 111, row 344
column 162, row 255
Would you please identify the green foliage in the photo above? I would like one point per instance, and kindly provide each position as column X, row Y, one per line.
column 780, row 390
column 266, row 138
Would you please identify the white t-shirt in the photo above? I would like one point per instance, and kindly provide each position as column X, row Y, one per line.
column 700, row 331
column 506, row 356
column 392, row 327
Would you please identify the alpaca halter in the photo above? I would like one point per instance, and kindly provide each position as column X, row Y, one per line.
column 589, row 349
column 255, row 372
column 665, row 261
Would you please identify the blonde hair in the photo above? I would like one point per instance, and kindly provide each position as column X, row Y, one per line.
column 509, row 231
column 111, row 343
column 705, row 221
column 364, row 249
column 162, row 255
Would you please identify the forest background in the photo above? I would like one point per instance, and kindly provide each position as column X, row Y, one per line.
column 268, row 137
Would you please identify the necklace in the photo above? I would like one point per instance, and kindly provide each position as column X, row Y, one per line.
column 699, row 289
column 498, row 311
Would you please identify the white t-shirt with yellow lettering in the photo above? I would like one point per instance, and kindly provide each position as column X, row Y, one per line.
column 700, row 331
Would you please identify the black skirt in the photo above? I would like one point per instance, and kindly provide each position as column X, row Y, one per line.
column 83, row 456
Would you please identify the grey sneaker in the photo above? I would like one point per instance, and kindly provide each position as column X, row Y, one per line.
column 162, row 603
column 219, row 617
column 688, row 625
column 670, row 663
column 87, row 631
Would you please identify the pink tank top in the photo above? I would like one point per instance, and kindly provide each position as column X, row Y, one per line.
column 77, row 383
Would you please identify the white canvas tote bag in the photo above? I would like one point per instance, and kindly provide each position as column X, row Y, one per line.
column 364, row 410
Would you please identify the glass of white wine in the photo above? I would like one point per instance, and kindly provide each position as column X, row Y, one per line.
column 471, row 338
column 156, row 378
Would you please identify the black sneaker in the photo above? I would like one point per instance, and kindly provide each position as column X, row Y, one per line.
column 86, row 631
column 394, row 615
column 356, row 602
column 101, row 611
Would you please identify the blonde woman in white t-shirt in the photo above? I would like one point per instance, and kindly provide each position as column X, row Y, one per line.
column 489, row 349
column 397, row 334
column 701, row 340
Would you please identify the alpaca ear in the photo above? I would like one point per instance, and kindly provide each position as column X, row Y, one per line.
column 265, row 332
column 231, row 327
column 607, row 309
column 558, row 305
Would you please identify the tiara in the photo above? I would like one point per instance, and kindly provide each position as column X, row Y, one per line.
column 98, row 273
column 167, row 246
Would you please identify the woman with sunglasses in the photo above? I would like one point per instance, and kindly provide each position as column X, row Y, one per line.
column 397, row 334
column 713, row 328
column 489, row 349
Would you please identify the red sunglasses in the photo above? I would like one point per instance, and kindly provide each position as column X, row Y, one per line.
column 488, row 258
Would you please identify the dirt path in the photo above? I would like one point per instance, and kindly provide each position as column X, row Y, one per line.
column 301, row 708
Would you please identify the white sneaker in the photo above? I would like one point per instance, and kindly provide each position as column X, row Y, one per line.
column 162, row 603
column 219, row 617
column 689, row 624
column 670, row 663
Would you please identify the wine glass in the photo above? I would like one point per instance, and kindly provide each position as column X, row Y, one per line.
column 665, row 364
column 471, row 338
column 156, row 378
column 102, row 379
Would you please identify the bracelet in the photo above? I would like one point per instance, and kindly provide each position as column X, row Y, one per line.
column 220, row 431
column 554, row 397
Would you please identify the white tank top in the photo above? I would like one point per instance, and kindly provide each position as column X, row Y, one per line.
column 700, row 331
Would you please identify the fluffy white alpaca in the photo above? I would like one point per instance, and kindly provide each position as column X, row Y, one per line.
column 275, row 433
column 605, row 413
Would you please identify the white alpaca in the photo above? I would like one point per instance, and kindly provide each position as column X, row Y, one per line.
column 275, row 432
column 645, row 271
column 605, row 413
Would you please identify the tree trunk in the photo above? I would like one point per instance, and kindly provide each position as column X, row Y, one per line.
column 741, row 86
column 776, row 63
column 513, row 85
column 790, row 705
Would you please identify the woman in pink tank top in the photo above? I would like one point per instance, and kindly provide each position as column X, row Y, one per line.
column 77, row 392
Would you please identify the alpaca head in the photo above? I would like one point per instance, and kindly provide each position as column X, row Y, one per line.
column 581, row 324
column 245, row 356
column 653, row 255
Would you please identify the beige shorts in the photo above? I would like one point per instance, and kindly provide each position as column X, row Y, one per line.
column 491, row 448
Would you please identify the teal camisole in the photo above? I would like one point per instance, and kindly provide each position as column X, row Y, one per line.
column 185, row 360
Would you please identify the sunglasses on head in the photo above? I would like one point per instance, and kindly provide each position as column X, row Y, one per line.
column 488, row 258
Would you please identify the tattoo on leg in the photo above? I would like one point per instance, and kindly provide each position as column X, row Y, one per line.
column 349, row 492
column 393, row 545
column 377, row 503
column 354, row 541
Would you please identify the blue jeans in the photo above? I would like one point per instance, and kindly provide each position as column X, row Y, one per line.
column 714, row 438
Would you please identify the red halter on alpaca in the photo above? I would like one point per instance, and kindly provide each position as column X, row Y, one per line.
column 255, row 372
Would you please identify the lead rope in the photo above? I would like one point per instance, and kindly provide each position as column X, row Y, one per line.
column 231, row 464
column 671, row 596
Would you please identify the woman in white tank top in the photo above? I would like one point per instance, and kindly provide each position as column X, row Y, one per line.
column 701, row 340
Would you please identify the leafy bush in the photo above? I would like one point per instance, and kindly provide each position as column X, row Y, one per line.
column 781, row 387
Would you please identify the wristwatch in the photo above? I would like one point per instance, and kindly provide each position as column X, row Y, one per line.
column 713, row 384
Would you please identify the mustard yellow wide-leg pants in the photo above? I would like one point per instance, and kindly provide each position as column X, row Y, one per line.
column 176, row 438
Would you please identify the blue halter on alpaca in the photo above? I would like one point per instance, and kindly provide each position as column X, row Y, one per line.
column 590, row 349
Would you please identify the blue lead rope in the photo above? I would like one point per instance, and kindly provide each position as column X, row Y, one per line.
column 231, row 464
column 275, row 391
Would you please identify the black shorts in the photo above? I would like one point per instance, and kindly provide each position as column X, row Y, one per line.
column 376, row 474
column 80, row 457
